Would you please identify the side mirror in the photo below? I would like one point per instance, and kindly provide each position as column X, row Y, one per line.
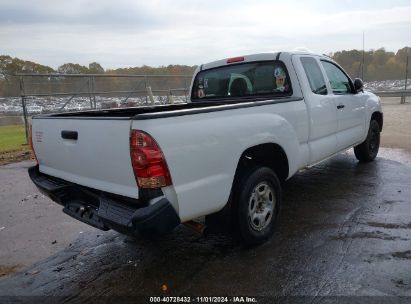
column 358, row 85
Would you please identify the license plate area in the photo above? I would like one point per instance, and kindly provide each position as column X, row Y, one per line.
column 85, row 213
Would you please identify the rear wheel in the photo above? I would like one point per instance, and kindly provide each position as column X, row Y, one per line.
column 368, row 150
column 256, row 203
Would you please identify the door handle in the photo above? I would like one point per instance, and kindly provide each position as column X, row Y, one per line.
column 69, row 134
column 340, row 106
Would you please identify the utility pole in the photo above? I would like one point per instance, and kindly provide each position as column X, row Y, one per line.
column 24, row 105
column 363, row 56
column 406, row 81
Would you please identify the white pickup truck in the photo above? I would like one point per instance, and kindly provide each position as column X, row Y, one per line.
column 252, row 122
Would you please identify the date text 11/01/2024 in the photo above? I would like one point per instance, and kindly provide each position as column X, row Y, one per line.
column 239, row 299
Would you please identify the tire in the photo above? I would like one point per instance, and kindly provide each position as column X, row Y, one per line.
column 368, row 150
column 256, row 204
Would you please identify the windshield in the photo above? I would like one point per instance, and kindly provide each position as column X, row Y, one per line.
column 242, row 80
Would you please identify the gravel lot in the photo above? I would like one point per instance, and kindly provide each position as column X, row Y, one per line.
column 397, row 123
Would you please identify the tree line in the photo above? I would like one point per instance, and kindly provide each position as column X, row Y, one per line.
column 378, row 65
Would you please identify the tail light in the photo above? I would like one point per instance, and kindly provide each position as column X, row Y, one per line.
column 33, row 154
column 149, row 164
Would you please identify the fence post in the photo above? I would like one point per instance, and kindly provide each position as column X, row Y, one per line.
column 145, row 87
column 185, row 88
column 406, row 81
column 170, row 97
column 150, row 95
column 89, row 92
column 23, row 104
column 93, row 86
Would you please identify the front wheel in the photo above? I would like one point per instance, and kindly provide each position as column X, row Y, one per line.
column 257, row 201
column 368, row 150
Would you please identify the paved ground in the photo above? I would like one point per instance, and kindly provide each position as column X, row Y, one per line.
column 345, row 229
column 32, row 227
column 397, row 123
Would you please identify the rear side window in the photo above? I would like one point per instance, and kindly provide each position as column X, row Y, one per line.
column 314, row 75
column 339, row 82
column 243, row 80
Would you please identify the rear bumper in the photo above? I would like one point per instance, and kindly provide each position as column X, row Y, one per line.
column 105, row 211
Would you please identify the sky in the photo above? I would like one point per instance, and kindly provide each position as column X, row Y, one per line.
column 125, row 33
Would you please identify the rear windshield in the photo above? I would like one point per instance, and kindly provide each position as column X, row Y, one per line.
column 242, row 81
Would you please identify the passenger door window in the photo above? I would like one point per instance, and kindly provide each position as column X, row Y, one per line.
column 339, row 82
column 314, row 75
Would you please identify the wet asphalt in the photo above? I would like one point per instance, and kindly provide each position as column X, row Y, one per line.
column 344, row 229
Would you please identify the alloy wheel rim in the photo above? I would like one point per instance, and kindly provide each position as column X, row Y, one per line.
column 261, row 206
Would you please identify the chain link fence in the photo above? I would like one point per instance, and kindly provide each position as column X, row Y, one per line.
column 50, row 93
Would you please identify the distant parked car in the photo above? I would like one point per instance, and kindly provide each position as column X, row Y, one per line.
column 34, row 109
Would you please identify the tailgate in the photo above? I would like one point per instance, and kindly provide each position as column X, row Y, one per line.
column 99, row 158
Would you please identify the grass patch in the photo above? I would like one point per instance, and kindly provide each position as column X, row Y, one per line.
column 12, row 138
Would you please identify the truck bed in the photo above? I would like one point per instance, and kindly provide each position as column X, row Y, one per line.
column 99, row 155
column 151, row 112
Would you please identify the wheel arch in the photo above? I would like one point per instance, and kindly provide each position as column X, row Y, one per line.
column 269, row 155
column 379, row 118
